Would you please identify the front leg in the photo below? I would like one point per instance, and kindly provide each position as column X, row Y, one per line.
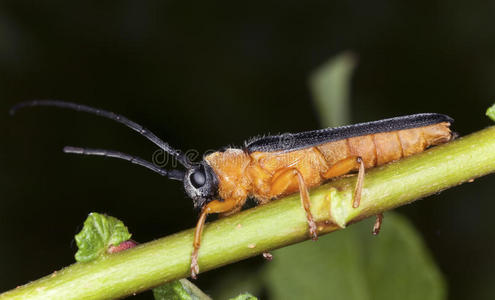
column 212, row 207
column 282, row 181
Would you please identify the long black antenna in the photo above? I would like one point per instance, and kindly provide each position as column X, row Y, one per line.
column 172, row 174
column 112, row 116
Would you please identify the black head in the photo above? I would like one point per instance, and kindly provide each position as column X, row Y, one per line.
column 201, row 184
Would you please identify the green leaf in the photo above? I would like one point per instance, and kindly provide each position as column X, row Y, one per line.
column 102, row 231
column 490, row 112
column 330, row 86
column 353, row 264
column 99, row 232
column 245, row 296
column 181, row 289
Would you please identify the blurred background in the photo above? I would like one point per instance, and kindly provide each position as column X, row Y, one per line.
column 205, row 75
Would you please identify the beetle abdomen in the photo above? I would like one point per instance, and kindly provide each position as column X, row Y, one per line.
column 380, row 148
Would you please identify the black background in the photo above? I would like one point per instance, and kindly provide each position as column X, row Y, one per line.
column 204, row 75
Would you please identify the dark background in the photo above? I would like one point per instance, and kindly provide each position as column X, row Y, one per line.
column 204, row 75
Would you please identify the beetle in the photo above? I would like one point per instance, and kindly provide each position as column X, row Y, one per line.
column 268, row 167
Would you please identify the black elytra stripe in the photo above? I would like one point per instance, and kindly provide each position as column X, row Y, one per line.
column 301, row 140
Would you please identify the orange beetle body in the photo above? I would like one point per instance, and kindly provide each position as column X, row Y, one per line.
column 269, row 167
column 242, row 174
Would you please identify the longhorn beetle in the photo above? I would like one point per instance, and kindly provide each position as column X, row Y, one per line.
column 269, row 167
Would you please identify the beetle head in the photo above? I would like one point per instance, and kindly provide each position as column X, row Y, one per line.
column 201, row 184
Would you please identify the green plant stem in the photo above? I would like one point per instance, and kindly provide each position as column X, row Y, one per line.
column 277, row 224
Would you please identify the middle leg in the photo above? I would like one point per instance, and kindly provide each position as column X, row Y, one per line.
column 282, row 181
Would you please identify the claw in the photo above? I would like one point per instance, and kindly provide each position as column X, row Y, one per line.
column 194, row 265
column 378, row 224
column 313, row 231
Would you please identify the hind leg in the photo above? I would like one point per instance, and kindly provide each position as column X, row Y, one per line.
column 345, row 166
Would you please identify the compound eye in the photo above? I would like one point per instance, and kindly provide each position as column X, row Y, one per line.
column 198, row 178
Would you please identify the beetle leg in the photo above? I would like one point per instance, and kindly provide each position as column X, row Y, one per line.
column 378, row 224
column 210, row 208
column 303, row 191
column 234, row 210
column 282, row 181
column 358, row 190
column 345, row 166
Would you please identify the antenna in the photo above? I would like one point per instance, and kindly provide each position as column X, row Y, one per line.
column 112, row 116
column 172, row 174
